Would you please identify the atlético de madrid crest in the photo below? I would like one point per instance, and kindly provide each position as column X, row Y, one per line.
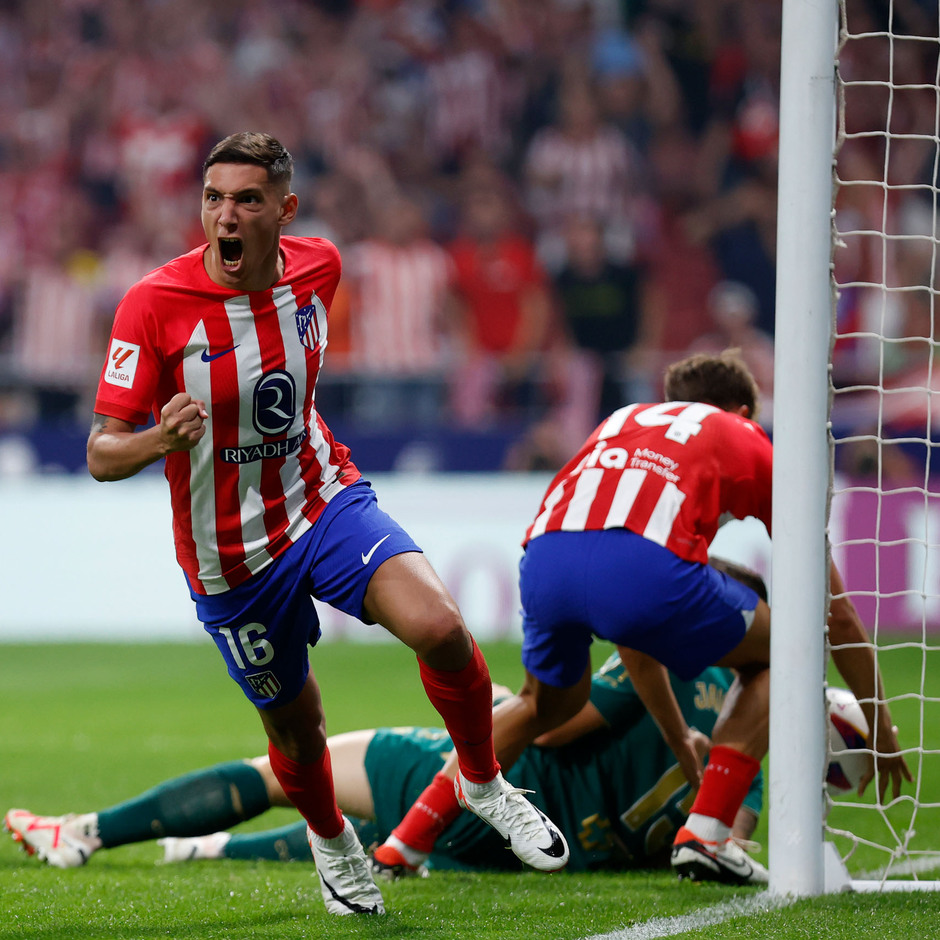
column 265, row 684
column 310, row 319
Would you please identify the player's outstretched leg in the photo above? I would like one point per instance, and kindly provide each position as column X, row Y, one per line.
column 723, row 861
column 60, row 841
column 531, row 834
column 194, row 848
column 346, row 881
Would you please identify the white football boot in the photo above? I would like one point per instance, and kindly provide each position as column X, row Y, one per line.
column 530, row 833
column 193, row 848
column 346, row 881
column 60, row 841
column 723, row 861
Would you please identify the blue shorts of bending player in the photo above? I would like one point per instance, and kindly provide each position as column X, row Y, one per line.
column 263, row 627
column 621, row 587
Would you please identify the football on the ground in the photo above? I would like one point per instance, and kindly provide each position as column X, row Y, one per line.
column 848, row 742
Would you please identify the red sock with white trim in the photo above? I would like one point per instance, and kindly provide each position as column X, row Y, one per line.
column 727, row 779
column 464, row 699
column 310, row 788
column 430, row 815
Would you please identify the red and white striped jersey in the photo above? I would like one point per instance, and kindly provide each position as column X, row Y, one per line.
column 668, row 472
column 398, row 313
column 268, row 464
column 467, row 103
column 592, row 175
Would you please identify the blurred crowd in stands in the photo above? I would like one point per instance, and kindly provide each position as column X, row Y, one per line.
column 539, row 203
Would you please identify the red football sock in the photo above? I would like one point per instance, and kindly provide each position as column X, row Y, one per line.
column 430, row 815
column 310, row 788
column 464, row 700
column 728, row 776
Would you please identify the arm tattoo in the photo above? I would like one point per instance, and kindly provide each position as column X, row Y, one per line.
column 103, row 423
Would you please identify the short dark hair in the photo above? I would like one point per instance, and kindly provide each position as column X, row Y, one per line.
column 747, row 576
column 722, row 380
column 256, row 148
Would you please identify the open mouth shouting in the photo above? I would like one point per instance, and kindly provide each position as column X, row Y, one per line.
column 231, row 251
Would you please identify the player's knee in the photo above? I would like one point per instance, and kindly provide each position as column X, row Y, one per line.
column 445, row 642
column 298, row 733
column 434, row 624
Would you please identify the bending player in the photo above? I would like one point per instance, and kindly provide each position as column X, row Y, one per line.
column 607, row 775
column 617, row 550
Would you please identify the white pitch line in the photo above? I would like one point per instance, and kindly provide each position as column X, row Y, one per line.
column 707, row 917
column 918, row 865
column 738, row 907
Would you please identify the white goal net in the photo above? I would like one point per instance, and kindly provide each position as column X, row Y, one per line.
column 856, row 420
column 884, row 524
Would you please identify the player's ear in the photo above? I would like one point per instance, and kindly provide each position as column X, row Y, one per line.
column 742, row 410
column 288, row 209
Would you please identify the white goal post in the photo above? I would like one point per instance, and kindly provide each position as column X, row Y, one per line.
column 807, row 443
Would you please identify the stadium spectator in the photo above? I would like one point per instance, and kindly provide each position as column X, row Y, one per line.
column 599, row 302
column 617, row 551
column 257, row 485
column 601, row 307
column 637, row 91
column 895, row 424
column 469, row 98
column 733, row 307
column 740, row 227
column 680, row 266
column 581, row 165
column 503, row 311
column 908, row 407
column 400, row 281
column 596, row 774
column 862, row 262
column 54, row 337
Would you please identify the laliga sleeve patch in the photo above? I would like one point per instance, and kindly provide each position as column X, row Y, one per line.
column 122, row 363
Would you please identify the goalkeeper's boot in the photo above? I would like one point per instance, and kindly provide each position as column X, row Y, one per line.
column 530, row 833
column 723, row 861
column 346, row 881
column 192, row 848
column 60, row 841
column 388, row 864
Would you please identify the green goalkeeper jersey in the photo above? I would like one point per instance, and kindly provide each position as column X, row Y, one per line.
column 618, row 794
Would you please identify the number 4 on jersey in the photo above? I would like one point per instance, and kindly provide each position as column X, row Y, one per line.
column 687, row 423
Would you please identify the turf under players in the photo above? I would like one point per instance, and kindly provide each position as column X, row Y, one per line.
column 222, row 346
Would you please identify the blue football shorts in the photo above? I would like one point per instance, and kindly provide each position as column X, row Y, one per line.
column 263, row 626
column 621, row 587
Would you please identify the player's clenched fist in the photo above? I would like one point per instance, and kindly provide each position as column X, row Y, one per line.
column 183, row 422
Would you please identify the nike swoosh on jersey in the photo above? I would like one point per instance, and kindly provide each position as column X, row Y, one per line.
column 209, row 357
column 367, row 556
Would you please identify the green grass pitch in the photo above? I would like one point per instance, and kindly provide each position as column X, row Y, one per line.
column 86, row 725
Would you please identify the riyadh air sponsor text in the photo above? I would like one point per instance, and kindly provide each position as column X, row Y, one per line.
column 263, row 451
